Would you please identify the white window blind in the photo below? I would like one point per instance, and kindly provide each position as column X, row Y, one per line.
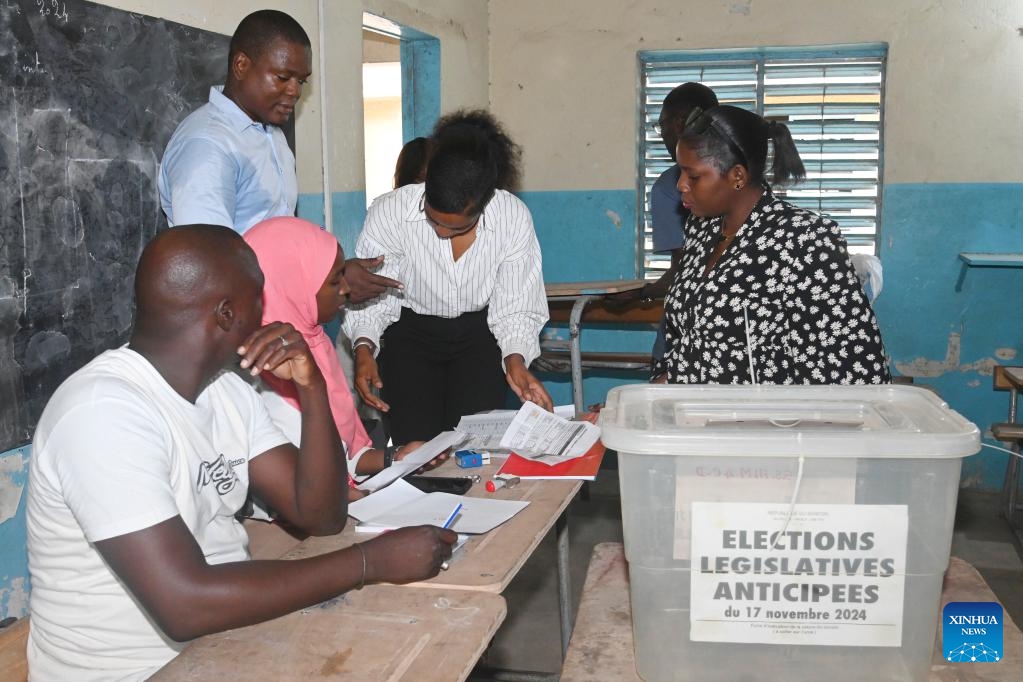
column 831, row 100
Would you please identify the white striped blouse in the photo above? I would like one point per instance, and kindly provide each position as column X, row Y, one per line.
column 502, row 269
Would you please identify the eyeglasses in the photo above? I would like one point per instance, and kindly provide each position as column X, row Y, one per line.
column 453, row 231
column 699, row 121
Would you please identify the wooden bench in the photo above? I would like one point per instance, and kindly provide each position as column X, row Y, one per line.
column 13, row 656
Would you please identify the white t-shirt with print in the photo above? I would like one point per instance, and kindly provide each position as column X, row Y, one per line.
column 117, row 450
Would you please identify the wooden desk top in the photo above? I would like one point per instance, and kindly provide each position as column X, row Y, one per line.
column 382, row 632
column 598, row 287
column 487, row 562
column 602, row 645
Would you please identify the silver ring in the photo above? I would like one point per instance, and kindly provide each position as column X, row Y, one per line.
column 284, row 341
column 444, row 566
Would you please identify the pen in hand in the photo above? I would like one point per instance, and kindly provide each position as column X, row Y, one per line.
column 452, row 515
column 447, row 524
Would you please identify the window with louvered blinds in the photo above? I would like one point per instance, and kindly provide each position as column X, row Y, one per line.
column 830, row 98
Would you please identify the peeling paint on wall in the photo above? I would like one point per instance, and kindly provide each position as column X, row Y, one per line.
column 922, row 367
column 14, row 599
column 1005, row 353
column 14, row 578
column 12, row 470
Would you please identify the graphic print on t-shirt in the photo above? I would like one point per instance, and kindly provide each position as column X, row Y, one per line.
column 218, row 473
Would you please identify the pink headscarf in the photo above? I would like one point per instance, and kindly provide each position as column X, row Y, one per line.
column 296, row 256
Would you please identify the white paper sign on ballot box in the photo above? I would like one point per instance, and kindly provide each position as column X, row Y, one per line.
column 834, row 577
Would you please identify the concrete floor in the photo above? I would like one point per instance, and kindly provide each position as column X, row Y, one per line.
column 529, row 639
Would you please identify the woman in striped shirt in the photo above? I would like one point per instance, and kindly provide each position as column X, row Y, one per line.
column 466, row 324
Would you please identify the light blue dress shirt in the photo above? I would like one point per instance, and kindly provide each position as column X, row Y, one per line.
column 667, row 216
column 222, row 168
column 668, row 220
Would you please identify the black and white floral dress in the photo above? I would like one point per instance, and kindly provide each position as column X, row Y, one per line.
column 782, row 305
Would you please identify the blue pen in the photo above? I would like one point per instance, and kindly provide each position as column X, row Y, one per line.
column 451, row 517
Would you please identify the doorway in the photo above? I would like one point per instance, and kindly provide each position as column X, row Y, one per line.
column 401, row 94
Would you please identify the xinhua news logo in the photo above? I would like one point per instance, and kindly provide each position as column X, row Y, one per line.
column 971, row 632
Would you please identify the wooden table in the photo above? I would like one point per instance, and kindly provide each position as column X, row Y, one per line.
column 602, row 644
column 582, row 293
column 381, row 633
column 488, row 562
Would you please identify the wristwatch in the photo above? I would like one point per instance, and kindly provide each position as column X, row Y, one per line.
column 389, row 453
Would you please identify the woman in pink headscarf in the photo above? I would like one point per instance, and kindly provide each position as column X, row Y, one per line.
column 305, row 286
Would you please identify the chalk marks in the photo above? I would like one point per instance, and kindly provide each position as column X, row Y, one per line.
column 89, row 96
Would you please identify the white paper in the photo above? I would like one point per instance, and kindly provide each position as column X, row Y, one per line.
column 401, row 504
column 835, row 577
column 535, row 431
column 484, row 431
column 413, row 460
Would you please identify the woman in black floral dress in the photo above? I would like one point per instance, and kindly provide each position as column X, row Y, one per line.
column 766, row 292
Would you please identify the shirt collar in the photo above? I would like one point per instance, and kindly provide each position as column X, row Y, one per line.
column 415, row 211
column 238, row 119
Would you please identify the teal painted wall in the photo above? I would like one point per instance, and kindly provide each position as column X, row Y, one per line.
column 589, row 235
column 348, row 210
column 14, row 580
column 944, row 338
column 585, row 235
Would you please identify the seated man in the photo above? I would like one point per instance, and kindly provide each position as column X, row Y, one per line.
column 142, row 458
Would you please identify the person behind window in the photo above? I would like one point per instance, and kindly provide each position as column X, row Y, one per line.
column 766, row 292
column 667, row 215
column 411, row 166
column 468, row 321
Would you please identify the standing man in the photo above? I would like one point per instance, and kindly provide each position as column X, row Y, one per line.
column 228, row 163
column 667, row 213
column 143, row 457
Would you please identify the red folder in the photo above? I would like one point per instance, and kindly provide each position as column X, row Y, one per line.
column 582, row 468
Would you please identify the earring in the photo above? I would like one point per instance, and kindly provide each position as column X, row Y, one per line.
column 738, row 186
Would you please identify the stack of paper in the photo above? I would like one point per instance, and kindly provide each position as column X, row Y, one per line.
column 401, row 504
column 532, row 432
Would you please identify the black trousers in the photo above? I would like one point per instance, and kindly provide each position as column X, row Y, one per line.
column 435, row 370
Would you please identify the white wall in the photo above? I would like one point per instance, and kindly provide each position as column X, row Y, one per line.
column 461, row 26
column 955, row 73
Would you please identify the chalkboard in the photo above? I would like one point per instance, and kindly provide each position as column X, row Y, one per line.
column 90, row 96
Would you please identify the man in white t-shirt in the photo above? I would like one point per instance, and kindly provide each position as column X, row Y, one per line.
column 142, row 458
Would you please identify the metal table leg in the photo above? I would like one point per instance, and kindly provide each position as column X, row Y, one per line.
column 564, row 583
column 1011, row 483
column 574, row 331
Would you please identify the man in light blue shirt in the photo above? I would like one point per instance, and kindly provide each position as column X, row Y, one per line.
column 223, row 168
column 228, row 163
